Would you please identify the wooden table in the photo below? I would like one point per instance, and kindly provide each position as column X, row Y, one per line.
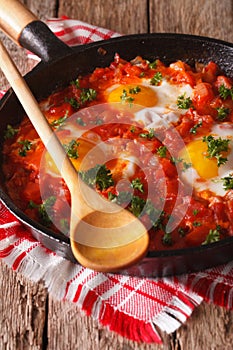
column 29, row 317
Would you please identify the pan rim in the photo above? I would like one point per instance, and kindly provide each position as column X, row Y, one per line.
column 64, row 240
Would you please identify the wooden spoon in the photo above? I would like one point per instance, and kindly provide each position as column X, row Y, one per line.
column 107, row 239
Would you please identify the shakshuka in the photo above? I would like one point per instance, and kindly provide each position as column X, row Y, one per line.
column 156, row 139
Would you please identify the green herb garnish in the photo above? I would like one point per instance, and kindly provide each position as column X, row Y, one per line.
column 98, row 176
column 162, row 151
column 135, row 90
column 184, row 102
column 223, row 113
column 72, row 149
column 227, row 182
column 57, row 123
column 125, row 97
column 26, row 146
column 213, row 236
column 167, row 238
column 216, row 147
column 225, row 92
column 157, row 78
column 149, row 135
column 10, row 132
column 193, row 130
column 153, row 65
column 137, row 185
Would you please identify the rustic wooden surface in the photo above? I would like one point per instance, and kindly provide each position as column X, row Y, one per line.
column 29, row 317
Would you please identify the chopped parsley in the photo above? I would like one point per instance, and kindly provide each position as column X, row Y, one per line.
column 73, row 102
column 125, row 97
column 98, row 176
column 162, row 151
column 213, row 236
column 224, row 92
column 176, row 160
column 184, row 102
column 193, row 130
column 137, row 205
column 57, row 123
column 167, row 238
column 157, row 78
column 195, row 212
column 10, row 132
column 76, row 83
column 135, row 90
column 149, row 135
column 88, row 95
column 137, row 185
column 153, row 65
column 227, row 182
column 72, row 149
column 45, row 210
column 223, row 113
column 25, row 146
column 196, row 224
column 216, row 147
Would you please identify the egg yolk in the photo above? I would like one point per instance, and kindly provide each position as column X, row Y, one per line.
column 206, row 167
column 137, row 94
column 84, row 147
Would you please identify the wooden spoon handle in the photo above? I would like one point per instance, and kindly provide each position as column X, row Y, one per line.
column 14, row 17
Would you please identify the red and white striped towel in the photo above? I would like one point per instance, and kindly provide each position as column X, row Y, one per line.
column 136, row 308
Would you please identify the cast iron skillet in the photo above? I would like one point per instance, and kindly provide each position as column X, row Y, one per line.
column 60, row 65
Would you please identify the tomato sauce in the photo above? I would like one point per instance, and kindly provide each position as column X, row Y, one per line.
column 153, row 188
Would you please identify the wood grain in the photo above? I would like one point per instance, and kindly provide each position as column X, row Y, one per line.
column 208, row 18
column 29, row 317
column 123, row 16
column 22, row 311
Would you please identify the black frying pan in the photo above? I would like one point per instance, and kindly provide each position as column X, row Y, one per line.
column 60, row 65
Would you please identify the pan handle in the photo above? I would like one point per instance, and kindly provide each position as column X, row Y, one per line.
column 22, row 26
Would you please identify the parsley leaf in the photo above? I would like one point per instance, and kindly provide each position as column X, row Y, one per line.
column 10, row 132
column 72, row 149
column 224, row 92
column 98, row 176
column 193, row 130
column 184, row 102
column 125, row 97
column 135, row 90
column 57, row 123
column 45, row 210
column 26, row 146
column 149, row 135
column 162, row 151
column 153, row 65
column 216, row 147
column 137, row 185
column 223, row 112
column 157, row 78
column 167, row 238
column 88, row 95
column 213, row 236
column 228, row 182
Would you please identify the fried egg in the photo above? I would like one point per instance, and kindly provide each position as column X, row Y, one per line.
column 204, row 173
column 157, row 100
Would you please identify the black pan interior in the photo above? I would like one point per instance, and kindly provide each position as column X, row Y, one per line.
column 48, row 77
